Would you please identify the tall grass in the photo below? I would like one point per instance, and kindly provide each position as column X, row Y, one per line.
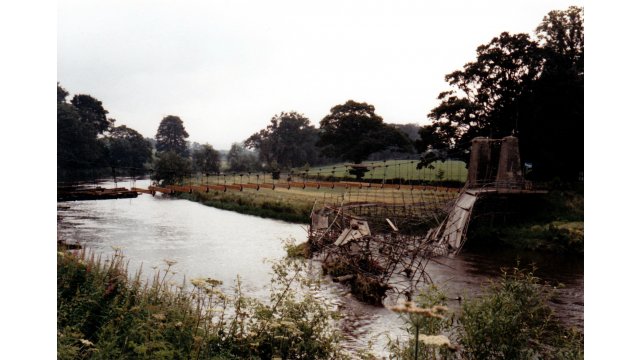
column 103, row 313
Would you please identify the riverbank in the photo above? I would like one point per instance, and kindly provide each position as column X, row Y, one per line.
column 104, row 312
column 207, row 242
column 290, row 210
column 552, row 223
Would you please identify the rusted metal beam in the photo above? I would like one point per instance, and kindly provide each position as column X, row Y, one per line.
column 237, row 187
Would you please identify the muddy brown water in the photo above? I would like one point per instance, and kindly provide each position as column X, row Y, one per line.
column 209, row 242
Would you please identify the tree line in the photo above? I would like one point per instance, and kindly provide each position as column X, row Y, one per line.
column 91, row 145
column 532, row 88
column 518, row 85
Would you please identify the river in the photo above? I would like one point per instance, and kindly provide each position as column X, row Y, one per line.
column 209, row 242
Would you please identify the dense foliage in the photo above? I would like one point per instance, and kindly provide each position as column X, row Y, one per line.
column 510, row 320
column 172, row 136
column 353, row 131
column 288, row 141
column 523, row 86
column 127, row 148
column 205, row 159
column 171, row 168
column 240, row 159
column 104, row 314
column 89, row 142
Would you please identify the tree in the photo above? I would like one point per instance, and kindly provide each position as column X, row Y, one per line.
column 92, row 113
column 171, row 136
column 411, row 131
column 78, row 148
column 206, row 159
column 353, row 131
column 239, row 159
column 561, row 33
column 517, row 85
column 488, row 91
column 127, row 149
column 289, row 141
column 554, row 141
column 62, row 94
column 171, row 168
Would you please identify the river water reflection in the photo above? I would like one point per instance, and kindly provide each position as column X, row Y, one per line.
column 208, row 242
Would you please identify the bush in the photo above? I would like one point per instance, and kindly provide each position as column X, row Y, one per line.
column 102, row 313
column 513, row 320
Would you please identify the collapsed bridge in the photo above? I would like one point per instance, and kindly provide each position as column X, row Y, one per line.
column 379, row 247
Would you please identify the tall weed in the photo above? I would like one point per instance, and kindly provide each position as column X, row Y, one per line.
column 105, row 314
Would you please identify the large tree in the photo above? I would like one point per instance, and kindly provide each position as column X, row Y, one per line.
column 91, row 112
column 171, row 136
column 127, row 149
column 288, row 141
column 171, row 168
column 78, row 148
column 554, row 140
column 488, row 92
column 532, row 88
column 352, row 131
column 205, row 159
column 239, row 159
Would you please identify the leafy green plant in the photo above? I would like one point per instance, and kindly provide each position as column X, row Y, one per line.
column 513, row 320
column 104, row 313
column 428, row 320
column 510, row 320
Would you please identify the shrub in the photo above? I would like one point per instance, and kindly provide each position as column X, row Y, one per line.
column 513, row 320
column 102, row 313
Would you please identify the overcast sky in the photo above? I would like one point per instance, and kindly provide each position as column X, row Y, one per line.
column 226, row 67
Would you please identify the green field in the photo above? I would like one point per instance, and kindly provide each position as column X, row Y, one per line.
column 395, row 169
column 295, row 203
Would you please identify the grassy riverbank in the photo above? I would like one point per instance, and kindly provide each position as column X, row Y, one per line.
column 549, row 223
column 289, row 209
column 295, row 204
column 106, row 314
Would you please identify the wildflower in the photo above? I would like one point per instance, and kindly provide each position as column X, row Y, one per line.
column 213, row 282
column 436, row 340
column 199, row 283
column 410, row 308
column 86, row 342
column 288, row 324
column 170, row 262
